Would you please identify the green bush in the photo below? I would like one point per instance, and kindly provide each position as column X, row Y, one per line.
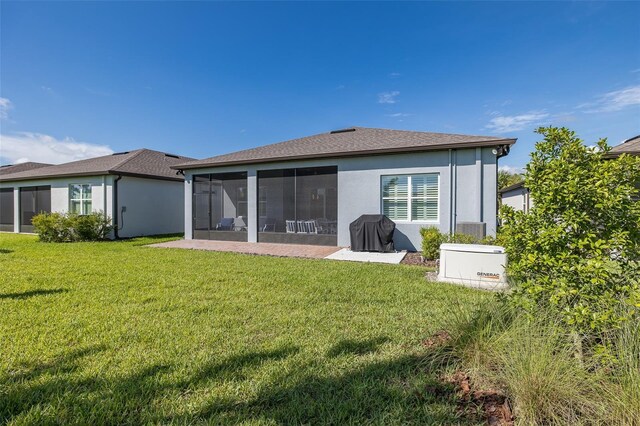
column 432, row 238
column 67, row 227
column 578, row 249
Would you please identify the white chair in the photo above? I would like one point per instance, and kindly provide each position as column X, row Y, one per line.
column 311, row 226
column 302, row 227
column 240, row 224
column 291, row 226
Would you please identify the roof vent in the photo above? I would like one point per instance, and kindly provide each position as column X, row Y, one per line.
column 352, row 129
column 171, row 155
column 120, row 153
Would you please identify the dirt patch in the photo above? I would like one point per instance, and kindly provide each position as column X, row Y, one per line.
column 492, row 404
column 415, row 258
column 437, row 339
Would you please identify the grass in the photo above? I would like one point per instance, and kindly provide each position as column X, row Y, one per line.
column 120, row 333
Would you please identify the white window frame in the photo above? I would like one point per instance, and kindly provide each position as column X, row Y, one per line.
column 410, row 198
column 81, row 199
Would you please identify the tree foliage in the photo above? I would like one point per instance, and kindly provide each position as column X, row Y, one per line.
column 507, row 178
column 578, row 249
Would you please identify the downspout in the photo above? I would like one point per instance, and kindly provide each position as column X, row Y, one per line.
column 454, row 192
column 115, row 207
column 104, row 197
column 450, row 191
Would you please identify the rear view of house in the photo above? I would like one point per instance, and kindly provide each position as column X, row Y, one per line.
column 309, row 190
column 137, row 189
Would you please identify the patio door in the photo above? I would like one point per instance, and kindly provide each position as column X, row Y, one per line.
column 33, row 200
column 220, row 206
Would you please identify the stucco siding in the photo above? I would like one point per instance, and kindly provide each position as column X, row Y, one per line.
column 359, row 189
column 152, row 207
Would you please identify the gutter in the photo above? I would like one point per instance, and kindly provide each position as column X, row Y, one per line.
column 115, row 207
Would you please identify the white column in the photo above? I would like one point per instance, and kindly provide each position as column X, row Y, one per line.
column 16, row 209
column 479, row 183
column 252, row 205
column 188, row 207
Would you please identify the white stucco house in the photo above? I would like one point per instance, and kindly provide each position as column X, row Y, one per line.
column 517, row 197
column 137, row 189
column 309, row 190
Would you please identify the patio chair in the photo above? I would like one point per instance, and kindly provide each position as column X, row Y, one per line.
column 226, row 224
column 312, row 227
column 302, row 227
column 291, row 226
column 240, row 224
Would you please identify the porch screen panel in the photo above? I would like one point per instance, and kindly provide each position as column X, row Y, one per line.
column 6, row 209
column 33, row 200
column 276, row 195
column 201, row 203
column 317, row 198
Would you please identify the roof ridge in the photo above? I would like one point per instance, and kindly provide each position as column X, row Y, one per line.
column 136, row 152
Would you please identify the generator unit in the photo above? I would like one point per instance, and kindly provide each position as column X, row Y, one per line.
column 473, row 265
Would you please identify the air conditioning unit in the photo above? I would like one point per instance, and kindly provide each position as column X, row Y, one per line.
column 476, row 229
column 473, row 265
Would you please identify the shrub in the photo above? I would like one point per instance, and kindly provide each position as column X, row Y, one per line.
column 59, row 227
column 432, row 238
column 578, row 248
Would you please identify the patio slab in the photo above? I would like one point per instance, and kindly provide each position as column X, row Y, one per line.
column 363, row 256
column 270, row 249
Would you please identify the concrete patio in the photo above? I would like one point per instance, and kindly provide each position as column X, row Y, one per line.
column 285, row 250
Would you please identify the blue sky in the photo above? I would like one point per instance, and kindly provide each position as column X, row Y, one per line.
column 81, row 79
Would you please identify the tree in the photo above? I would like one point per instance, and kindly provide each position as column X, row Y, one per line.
column 507, row 178
column 578, row 249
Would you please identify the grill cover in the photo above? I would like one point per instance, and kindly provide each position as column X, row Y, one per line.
column 372, row 232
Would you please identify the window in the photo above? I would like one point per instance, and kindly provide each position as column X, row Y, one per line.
column 411, row 197
column 80, row 199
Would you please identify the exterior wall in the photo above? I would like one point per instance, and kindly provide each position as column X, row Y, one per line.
column 152, row 207
column 471, row 171
column 518, row 199
column 60, row 193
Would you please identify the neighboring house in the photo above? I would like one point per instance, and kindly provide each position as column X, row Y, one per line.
column 15, row 168
column 631, row 146
column 137, row 189
column 309, row 190
column 516, row 196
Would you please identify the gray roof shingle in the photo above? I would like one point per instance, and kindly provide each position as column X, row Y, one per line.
column 15, row 168
column 140, row 162
column 630, row 146
column 349, row 142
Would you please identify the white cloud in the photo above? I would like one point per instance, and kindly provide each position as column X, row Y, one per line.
column 615, row 101
column 512, row 123
column 395, row 75
column 5, row 106
column 26, row 146
column 388, row 97
column 399, row 114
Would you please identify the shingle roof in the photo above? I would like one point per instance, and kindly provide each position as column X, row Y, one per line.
column 349, row 142
column 511, row 187
column 140, row 162
column 15, row 168
column 630, row 146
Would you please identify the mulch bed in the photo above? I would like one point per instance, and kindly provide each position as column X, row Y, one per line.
column 415, row 258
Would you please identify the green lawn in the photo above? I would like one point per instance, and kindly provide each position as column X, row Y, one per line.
column 117, row 332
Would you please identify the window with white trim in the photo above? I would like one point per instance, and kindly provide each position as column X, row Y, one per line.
column 80, row 199
column 411, row 197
